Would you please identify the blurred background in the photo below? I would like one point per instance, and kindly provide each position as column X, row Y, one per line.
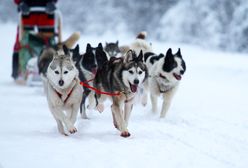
column 220, row 24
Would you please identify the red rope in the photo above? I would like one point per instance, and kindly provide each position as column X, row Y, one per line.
column 99, row 91
column 89, row 80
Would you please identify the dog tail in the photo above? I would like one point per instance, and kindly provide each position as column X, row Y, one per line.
column 71, row 41
column 142, row 35
column 44, row 59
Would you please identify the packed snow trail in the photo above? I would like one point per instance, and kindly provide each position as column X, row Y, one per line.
column 206, row 125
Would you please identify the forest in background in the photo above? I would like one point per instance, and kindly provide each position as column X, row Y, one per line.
column 210, row 23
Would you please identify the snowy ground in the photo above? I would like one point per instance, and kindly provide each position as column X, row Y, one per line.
column 206, row 127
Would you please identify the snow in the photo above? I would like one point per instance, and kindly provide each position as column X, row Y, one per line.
column 206, row 125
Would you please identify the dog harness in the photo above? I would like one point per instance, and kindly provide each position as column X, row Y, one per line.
column 68, row 93
column 60, row 95
column 99, row 91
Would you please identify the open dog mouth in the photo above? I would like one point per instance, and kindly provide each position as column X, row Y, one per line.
column 178, row 77
column 133, row 87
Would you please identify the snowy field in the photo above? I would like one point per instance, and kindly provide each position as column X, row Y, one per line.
column 206, row 127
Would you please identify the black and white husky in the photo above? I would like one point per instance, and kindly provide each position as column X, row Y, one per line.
column 165, row 73
column 122, row 77
column 112, row 49
column 87, row 65
column 63, row 90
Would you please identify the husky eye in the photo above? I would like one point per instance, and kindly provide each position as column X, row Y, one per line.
column 140, row 72
column 57, row 72
column 65, row 72
column 162, row 76
column 130, row 71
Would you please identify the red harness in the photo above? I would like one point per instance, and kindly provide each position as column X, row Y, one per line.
column 99, row 91
column 67, row 97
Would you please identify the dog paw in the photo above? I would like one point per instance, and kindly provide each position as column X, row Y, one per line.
column 72, row 130
column 125, row 134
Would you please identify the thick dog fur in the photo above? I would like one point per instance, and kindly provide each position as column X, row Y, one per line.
column 119, row 75
column 87, row 65
column 165, row 73
column 63, row 90
column 112, row 49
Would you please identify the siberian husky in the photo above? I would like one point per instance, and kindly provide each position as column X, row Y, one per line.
column 165, row 73
column 33, row 71
column 63, row 90
column 112, row 49
column 47, row 53
column 140, row 44
column 87, row 65
column 121, row 78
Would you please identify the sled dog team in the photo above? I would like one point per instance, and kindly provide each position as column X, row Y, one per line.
column 112, row 72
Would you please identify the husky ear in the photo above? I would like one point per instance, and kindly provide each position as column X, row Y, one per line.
column 168, row 55
column 140, row 57
column 117, row 43
column 169, row 52
column 76, row 49
column 76, row 55
column 100, row 46
column 129, row 56
column 65, row 49
column 88, row 48
column 179, row 53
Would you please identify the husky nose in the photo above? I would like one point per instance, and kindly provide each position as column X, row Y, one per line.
column 136, row 81
column 61, row 82
column 182, row 72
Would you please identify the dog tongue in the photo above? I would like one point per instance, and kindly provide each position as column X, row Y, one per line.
column 133, row 88
column 178, row 77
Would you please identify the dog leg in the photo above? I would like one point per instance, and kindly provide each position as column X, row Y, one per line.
column 167, row 96
column 127, row 111
column 144, row 99
column 82, row 106
column 59, row 115
column 60, row 127
column 121, row 125
column 92, row 101
column 144, row 94
column 154, row 103
column 114, row 120
column 74, row 113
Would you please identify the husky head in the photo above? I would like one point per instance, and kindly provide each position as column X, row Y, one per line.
column 134, row 70
column 62, row 71
column 172, row 67
column 93, row 58
column 112, row 49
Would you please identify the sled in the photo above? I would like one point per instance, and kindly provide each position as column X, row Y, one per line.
column 31, row 47
column 37, row 31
